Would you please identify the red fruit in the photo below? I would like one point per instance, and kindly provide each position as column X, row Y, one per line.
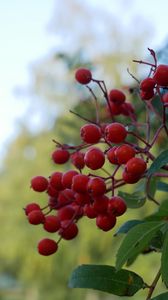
column 47, row 247
column 129, row 177
column 82, row 199
column 69, row 230
column 105, row 221
column 117, row 96
column 60, row 156
column 136, row 166
column 36, row 217
column 94, row 158
column 127, row 109
column 56, row 180
column 161, row 75
column 96, row 186
column 77, row 160
column 123, row 153
column 51, row 223
column 67, row 178
column 100, row 204
column 83, row 76
column 111, row 155
column 89, row 211
column 53, row 203
column 165, row 98
column 39, row 183
column 90, row 133
column 115, row 133
column 146, row 95
column 115, row 109
column 117, row 206
column 51, row 191
column 79, row 183
column 66, row 213
column 65, row 197
column 30, row 207
column 147, row 84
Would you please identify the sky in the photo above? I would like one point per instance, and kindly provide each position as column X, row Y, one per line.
column 25, row 38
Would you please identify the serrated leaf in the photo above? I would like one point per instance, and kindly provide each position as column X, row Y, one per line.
column 105, row 278
column 127, row 226
column 164, row 261
column 134, row 200
column 136, row 240
column 163, row 296
column 159, row 162
column 162, row 186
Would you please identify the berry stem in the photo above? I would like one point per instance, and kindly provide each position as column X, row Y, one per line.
column 153, row 285
column 83, row 118
column 96, row 104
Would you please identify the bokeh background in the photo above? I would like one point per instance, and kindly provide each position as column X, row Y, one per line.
column 42, row 43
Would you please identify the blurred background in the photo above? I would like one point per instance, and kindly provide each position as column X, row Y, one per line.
column 42, row 43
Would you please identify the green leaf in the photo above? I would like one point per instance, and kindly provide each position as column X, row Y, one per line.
column 164, row 261
column 105, row 278
column 153, row 186
column 163, row 296
column 136, row 240
column 162, row 186
column 159, row 162
column 163, row 209
column 134, row 200
column 127, row 226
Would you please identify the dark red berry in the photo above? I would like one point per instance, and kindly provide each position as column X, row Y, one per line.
column 83, row 76
column 47, row 247
column 82, row 199
column 161, row 75
column 115, row 132
column 96, row 186
column 147, row 84
column 67, row 178
column 56, row 180
column 114, row 109
column 65, row 197
column 123, row 153
column 146, row 95
column 51, row 223
column 89, row 211
column 94, row 158
column 30, row 207
column 136, row 166
column 66, row 213
column 117, row 206
column 129, row 177
column 51, row 191
column 100, row 204
column 39, row 183
column 79, row 183
column 36, row 217
column 77, row 160
column 69, row 230
column 90, row 133
column 117, row 96
column 111, row 155
column 105, row 221
column 127, row 109
column 60, row 156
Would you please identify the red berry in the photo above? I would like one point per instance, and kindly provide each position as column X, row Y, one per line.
column 51, row 223
column 129, row 177
column 30, row 207
column 82, row 199
column 66, row 213
column 47, row 247
column 83, row 76
column 123, row 153
column 147, row 84
column 79, row 183
column 56, row 180
column 90, row 133
column 114, row 109
column 136, row 166
column 69, row 230
column 67, row 178
column 39, row 183
column 117, row 206
column 165, row 98
column 115, row 133
column 65, row 197
column 100, row 204
column 111, row 155
column 77, row 160
column 89, row 211
column 127, row 109
column 105, row 221
column 36, row 217
column 94, row 158
column 117, row 96
column 161, row 75
column 96, row 186
column 60, row 156
column 51, row 191
column 146, row 95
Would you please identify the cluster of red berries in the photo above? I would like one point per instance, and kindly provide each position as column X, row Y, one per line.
column 77, row 192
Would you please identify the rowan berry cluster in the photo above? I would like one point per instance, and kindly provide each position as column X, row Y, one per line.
column 80, row 192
